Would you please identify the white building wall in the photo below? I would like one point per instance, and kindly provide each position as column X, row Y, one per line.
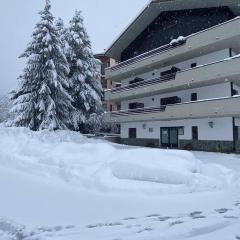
column 222, row 129
column 208, row 92
column 237, row 122
column 236, row 87
column 205, row 59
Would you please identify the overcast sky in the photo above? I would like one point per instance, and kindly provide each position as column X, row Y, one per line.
column 104, row 20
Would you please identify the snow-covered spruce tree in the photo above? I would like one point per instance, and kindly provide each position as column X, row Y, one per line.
column 85, row 84
column 42, row 100
column 62, row 32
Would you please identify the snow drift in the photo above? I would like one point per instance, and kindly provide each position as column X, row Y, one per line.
column 88, row 163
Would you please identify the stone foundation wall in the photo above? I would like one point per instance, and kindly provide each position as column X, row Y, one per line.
column 237, row 146
column 200, row 145
column 207, row 145
column 143, row 142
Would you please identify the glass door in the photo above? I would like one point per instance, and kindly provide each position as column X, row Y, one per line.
column 169, row 137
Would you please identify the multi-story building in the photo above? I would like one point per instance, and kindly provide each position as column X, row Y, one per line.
column 179, row 70
column 106, row 62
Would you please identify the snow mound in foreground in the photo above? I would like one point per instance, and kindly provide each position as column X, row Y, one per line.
column 96, row 164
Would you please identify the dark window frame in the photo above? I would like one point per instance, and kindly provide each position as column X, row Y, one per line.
column 194, row 97
column 195, row 133
column 132, row 133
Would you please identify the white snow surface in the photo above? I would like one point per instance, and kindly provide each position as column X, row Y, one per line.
column 86, row 163
column 80, row 188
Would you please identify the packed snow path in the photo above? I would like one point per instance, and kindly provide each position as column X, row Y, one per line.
column 78, row 188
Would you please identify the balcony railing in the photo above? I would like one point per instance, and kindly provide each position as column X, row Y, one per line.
column 149, row 54
column 138, row 111
column 144, row 83
column 164, row 107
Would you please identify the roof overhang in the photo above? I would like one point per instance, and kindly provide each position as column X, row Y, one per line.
column 152, row 10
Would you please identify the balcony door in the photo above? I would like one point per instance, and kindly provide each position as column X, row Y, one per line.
column 169, row 137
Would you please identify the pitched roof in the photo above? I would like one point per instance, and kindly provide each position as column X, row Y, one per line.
column 152, row 10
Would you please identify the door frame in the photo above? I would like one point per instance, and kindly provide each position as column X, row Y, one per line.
column 169, row 145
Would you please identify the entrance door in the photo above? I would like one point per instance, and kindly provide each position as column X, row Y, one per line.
column 169, row 137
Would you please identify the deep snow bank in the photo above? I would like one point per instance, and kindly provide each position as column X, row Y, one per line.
column 88, row 163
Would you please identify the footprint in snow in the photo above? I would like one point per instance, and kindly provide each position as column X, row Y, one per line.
column 171, row 224
column 237, row 204
column 147, row 229
column 196, row 215
column 153, row 215
column 69, row 227
column 231, row 217
column 129, row 218
column 105, row 225
column 237, row 237
column 163, row 219
column 222, row 210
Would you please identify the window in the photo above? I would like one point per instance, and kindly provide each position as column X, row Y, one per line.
column 194, row 97
column 118, row 85
column 119, row 107
column 194, row 133
column 136, row 80
column 170, row 100
column 181, row 131
column 193, row 65
column 151, row 130
column 132, row 133
column 233, row 91
column 171, row 71
column 111, row 107
column 135, row 105
column 103, row 68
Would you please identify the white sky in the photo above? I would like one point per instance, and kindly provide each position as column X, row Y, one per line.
column 104, row 20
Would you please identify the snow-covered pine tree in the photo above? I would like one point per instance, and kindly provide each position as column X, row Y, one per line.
column 42, row 101
column 85, row 84
column 62, row 32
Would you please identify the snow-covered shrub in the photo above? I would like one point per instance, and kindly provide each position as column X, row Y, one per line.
column 96, row 123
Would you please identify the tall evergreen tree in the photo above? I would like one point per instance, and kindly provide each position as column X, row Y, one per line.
column 62, row 32
column 85, row 84
column 42, row 100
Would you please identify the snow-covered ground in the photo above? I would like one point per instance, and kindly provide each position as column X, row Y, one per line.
column 61, row 185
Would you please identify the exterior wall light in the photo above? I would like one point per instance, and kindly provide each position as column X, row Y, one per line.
column 211, row 124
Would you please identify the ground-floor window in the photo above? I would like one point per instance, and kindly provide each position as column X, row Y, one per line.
column 194, row 133
column 236, row 133
column 132, row 133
